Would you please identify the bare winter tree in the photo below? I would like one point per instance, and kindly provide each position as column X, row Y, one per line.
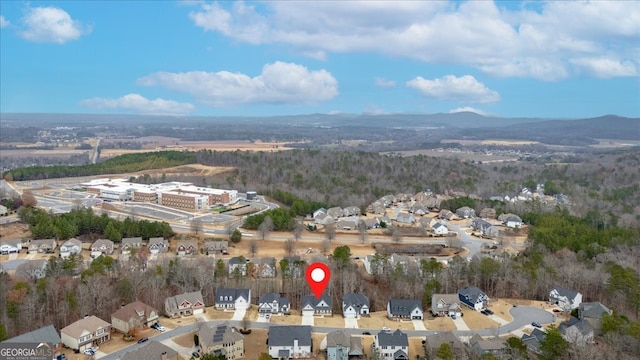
column 196, row 226
column 289, row 246
column 330, row 231
column 362, row 231
column 265, row 227
column 297, row 230
column 396, row 235
column 325, row 246
column 253, row 247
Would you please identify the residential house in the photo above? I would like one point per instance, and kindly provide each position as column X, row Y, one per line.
column 391, row 345
column 216, row 247
column 158, row 245
column 433, row 342
column 351, row 211
column 355, row 305
column 372, row 223
column 32, row 269
column 480, row 346
column 317, row 306
column 485, row 228
column 237, row 266
column 419, row 209
column 335, row 212
column 405, row 218
column 565, row 299
column 319, row 211
column 445, row 305
column 154, row 350
column 71, row 246
column 185, row 304
column 375, row 264
column 264, row 267
column 43, row 246
column 488, row 213
column 101, row 247
column 576, row 331
column 130, row 243
column 404, row 263
column 233, row 299
column 404, row 309
column 593, row 313
column 347, row 224
column 222, row 340
column 512, row 221
column 47, row 334
column 473, row 297
column 446, row 215
column 534, row 340
column 376, row 208
column 86, row 333
column 187, row 247
column 135, row 315
column 341, row 346
column 465, row 212
column 273, row 303
column 439, row 229
column 10, row 246
column 324, row 219
column 290, row 342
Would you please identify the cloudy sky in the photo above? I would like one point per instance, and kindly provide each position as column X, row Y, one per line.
column 508, row 58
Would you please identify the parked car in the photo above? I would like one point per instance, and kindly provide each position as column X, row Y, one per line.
column 143, row 340
column 61, row 357
column 536, row 324
column 556, row 310
column 366, row 333
column 484, row 312
column 161, row 328
column 195, row 354
column 384, row 328
column 453, row 316
column 489, row 312
column 89, row 352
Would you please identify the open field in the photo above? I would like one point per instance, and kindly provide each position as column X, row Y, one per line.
column 330, row 321
column 293, row 319
column 504, row 142
column 475, row 320
column 440, row 323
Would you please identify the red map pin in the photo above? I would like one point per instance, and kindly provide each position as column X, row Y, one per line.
column 318, row 275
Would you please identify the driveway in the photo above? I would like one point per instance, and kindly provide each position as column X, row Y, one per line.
column 350, row 323
column 185, row 352
column 264, row 318
column 239, row 314
column 308, row 320
column 460, row 324
column 418, row 325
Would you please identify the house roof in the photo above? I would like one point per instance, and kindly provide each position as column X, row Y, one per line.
column 132, row 310
column 151, row 351
column 533, row 341
column 237, row 260
column 403, row 307
column 156, row 240
column 102, row 242
column 435, row 340
column 12, row 242
column 593, row 310
column 570, row 294
column 191, row 297
column 313, row 301
column 46, row 334
column 487, row 345
column 355, row 346
column 216, row 245
column 400, row 354
column 271, row 297
column 338, row 338
column 90, row 324
column 444, row 301
column 233, row 294
column 583, row 326
column 73, row 242
column 132, row 241
column 221, row 334
column 357, row 300
column 285, row 335
column 472, row 294
column 49, row 242
column 396, row 338
column 514, row 218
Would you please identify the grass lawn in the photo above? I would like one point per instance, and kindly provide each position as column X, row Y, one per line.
column 475, row 320
column 441, row 323
column 378, row 320
column 293, row 319
column 255, row 343
column 213, row 314
column 330, row 321
column 185, row 340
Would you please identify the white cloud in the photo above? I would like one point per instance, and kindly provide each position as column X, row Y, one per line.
column 469, row 109
column 278, row 83
column 542, row 43
column 139, row 104
column 385, row 83
column 4, row 22
column 449, row 87
column 51, row 24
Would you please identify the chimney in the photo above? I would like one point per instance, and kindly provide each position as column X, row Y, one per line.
column 163, row 356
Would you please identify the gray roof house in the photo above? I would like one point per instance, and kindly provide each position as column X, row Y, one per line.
column 46, row 334
column 341, row 346
column 512, row 221
column 71, row 246
column 314, row 306
column 32, row 269
column 347, row 224
column 565, row 299
column 264, row 267
column 100, row 247
column 534, row 340
column 404, row 309
column 154, row 350
column 130, row 243
column 575, row 331
column 216, row 247
column 319, row 211
column 485, row 228
column 221, row 340
column 392, row 345
column 273, row 303
column 289, row 342
column 354, row 305
column 10, row 246
column 237, row 266
column 433, row 342
column 158, row 245
column 473, row 297
column 351, row 211
column 44, row 246
column 593, row 313
column 335, row 212
column 481, row 346
column 445, row 305
column 234, row 299
column 465, row 212
column 187, row 247
column 405, row 218
column 184, row 304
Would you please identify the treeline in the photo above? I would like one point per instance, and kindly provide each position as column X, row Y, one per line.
column 282, row 220
column 83, row 222
column 120, row 164
column 298, row 206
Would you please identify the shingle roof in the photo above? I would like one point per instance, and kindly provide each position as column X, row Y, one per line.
column 151, row 351
column 471, row 293
column 313, row 301
column 403, row 307
column 102, row 242
column 435, row 340
column 570, row 294
column 357, row 300
column 191, row 297
column 284, row 335
column 131, row 310
column 48, row 242
column 232, row 294
column 582, row 325
column 90, row 324
column 221, row 334
column 338, row 338
column 46, row 334
column 593, row 310
column 447, row 299
column 73, row 241
column 396, row 338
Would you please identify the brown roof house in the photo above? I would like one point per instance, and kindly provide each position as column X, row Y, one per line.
column 221, row 340
column 86, row 333
column 43, row 246
column 184, row 304
column 101, row 247
column 187, row 247
column 133, row 316
column 152, row 351
column 216, row 247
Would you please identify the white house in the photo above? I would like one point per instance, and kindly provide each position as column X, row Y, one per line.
column 71, row 246
column 234, row 299
column 392, row 345
column 273, row 303
column 513, row 221
column 404, row 309
column 439, row 229
column 473, row 297
column 354, row 305
column 10, row 246
column 100, row 247
column 565, row 299
column 289, row 342
column 314, row 306
column 86, row 333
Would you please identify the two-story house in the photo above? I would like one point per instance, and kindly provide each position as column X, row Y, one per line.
column 71, row 246
column 576, row 331
column 354, row 305
column 237, row 266
column 184, row 304
column 473, row 297
column 566, row 299
column 493, row 346
column 46, row 334
column 445, row 305
column 43, row 246
column 32, row 269
column 12, row 246
column 273, row 303
column 158, row 245
column 130, row 243
column 222, row 340
column 434, row 341
column 216, row 247
column 391, row 345
column 187, row 247
column 101, row 247
column 593, row 313
column 290, row 342
column 135, row 315
column 341, row 346
column 233, row 299
column 317, row 306
column 404, row 309
column 86, row 333
column 439, row 229
column 153, row 350
column 264, row 267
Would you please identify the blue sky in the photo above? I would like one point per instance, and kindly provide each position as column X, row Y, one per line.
column 531, row 59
